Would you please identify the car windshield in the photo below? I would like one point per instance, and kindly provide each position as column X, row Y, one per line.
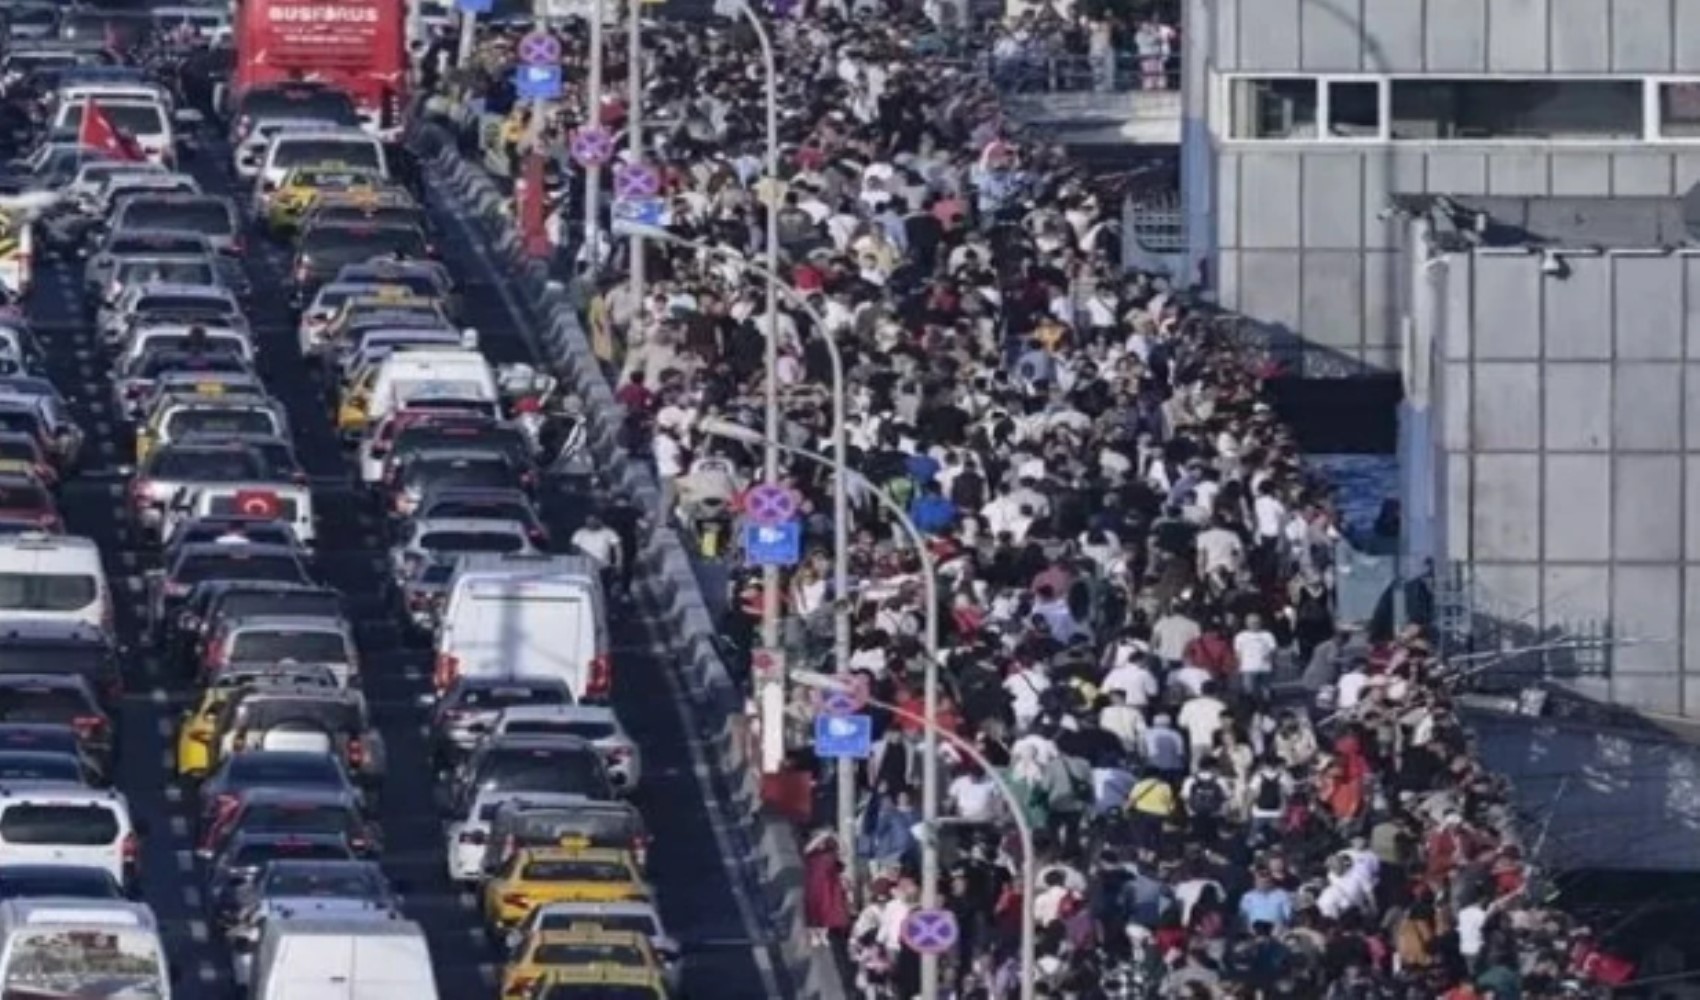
column 505, row 542
column 259, row 770
column 488, row 472
column 129, row 118
column 575, row 870
column 24, row 496
column 140, row 243
column 561, row 770
column 73, row 881
column 416, row 282
column 164, row 362
column 477, row 698
column 265, row 646
column 41, row 703
column 78, row 824
column 297, row 817
column 220, row 420
column 260, row 533
column 584, row 729
column 495, row 509
column 231, row 564
column 301, row 103
column 253, row 855
column 329, row 247
column 210, row 218
column 178, row 272
column 91, row 961
column 40, row 767
column 47, row 592
column 373, row 215
column 588, row 953
column 195, row 465
column 306, row 603
column 638, row 923
column 322, row 881
column 24, row 655
column 175, row 302
column 344, row 152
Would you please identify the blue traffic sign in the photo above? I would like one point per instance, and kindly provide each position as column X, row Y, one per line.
column 929, row 932
column 540, row 49
column 773, row 545
column 839, row 737
column 474, row 6
column 537, row 83
column 641, row 212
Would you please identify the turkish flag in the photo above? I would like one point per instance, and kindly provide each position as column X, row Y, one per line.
column 258, row 503
column 98, row 132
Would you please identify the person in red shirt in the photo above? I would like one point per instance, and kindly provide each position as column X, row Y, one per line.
column 635, row 396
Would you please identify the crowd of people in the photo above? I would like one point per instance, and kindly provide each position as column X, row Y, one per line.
column 1236, row 794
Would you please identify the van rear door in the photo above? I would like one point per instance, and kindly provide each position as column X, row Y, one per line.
column 539, row 628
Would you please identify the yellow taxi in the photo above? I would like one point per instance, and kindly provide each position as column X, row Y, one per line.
column 538, row 875
column 286, row 206
column 575, row 948
column 598, row 982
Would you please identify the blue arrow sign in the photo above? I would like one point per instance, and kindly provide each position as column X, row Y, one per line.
column 645, row 212
column 537, row 83
column 775, row 545
column 839, row 737
column 474, row 6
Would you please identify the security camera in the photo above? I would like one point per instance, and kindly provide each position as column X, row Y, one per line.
column 1553, row 266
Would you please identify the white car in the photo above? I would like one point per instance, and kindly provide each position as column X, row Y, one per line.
column 69, row 825
column 595, row 724
column 468, row 839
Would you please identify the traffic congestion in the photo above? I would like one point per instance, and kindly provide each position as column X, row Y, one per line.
column 316, row 680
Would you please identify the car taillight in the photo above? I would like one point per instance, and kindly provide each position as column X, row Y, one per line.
column 601, row 677
column 218, row 655
column 44, row 472
column 224, row 807
column 538, row 536
column 356, row 753
column 528, row 479
column 49, row 521
column 132, row 848
column 516, row 899
column 446, row 670
column 88, row 725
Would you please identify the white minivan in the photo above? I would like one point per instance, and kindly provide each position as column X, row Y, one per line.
column 541, row 616
column 377, row 957
column 69, row 825
column 54, row 578
column 430, row 373
column 81, row 948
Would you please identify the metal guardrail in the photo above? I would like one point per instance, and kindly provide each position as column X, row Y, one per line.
column 1071, row 73
column 769, row 859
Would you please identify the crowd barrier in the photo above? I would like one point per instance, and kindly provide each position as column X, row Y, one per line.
column 767, row 857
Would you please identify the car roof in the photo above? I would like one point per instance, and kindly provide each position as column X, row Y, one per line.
column 184, row 288
column 38, row 629
column 266, row 794
column 536, row 741
column 489, row 524
column 47, row 680
column 571, row 713
column 298, row 623
column 252, row 548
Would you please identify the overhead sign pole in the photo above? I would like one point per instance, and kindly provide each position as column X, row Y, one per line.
column 634, row 133
column 593, row 119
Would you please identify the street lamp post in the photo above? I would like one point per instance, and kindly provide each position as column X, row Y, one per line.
column 1029, row 861
column 634, row 131
column 929, row 583
column 593, row 119
column 846, row 775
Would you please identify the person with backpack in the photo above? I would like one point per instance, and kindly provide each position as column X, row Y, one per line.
column 1268, row 790
column 1207, row 796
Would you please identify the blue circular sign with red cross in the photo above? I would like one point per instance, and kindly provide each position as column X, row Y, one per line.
column 929, row 932
column 636, row 181
column 770, row 505
column 539, row 49
column 592, row 147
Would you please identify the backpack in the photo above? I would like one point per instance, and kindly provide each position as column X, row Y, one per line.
column 1269, row 796
column 1208, row 798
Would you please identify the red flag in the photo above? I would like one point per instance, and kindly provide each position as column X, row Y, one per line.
column 98, row 132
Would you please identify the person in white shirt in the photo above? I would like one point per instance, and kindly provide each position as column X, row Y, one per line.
column 974, row 798
column 1254, row 650
column 1201, row 718
column 1134, row 680
column 602, row 545
column 1122, row 721
column 1350, row 689
column 1024, row 687
column 1219, row 549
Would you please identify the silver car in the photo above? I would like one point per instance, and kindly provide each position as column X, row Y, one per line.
column 595, row 724
column 210, row 215
column 436, row 539
column 176, row 467
column 125, row 243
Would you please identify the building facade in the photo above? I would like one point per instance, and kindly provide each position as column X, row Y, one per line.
column 1304, row 117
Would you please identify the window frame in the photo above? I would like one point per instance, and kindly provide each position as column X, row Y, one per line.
column 1652, row 131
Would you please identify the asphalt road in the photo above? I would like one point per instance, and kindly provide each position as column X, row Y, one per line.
column 716, row 925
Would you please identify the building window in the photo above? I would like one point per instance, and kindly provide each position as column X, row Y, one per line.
column 1542, row 110
column 1282, row 108
column 1679, row 110
column 1354, row 109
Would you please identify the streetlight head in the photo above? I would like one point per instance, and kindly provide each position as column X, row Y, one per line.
column 722, row 428
column 817, row 680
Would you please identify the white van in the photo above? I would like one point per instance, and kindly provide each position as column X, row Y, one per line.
column 81, row 947
column 347, row 147
column 381, row 957
column 54, row 578
column 68, row 825
column 146, row 120
column 455, row 373
column 533, row 615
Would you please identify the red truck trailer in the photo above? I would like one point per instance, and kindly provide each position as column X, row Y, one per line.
column 356, row 46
